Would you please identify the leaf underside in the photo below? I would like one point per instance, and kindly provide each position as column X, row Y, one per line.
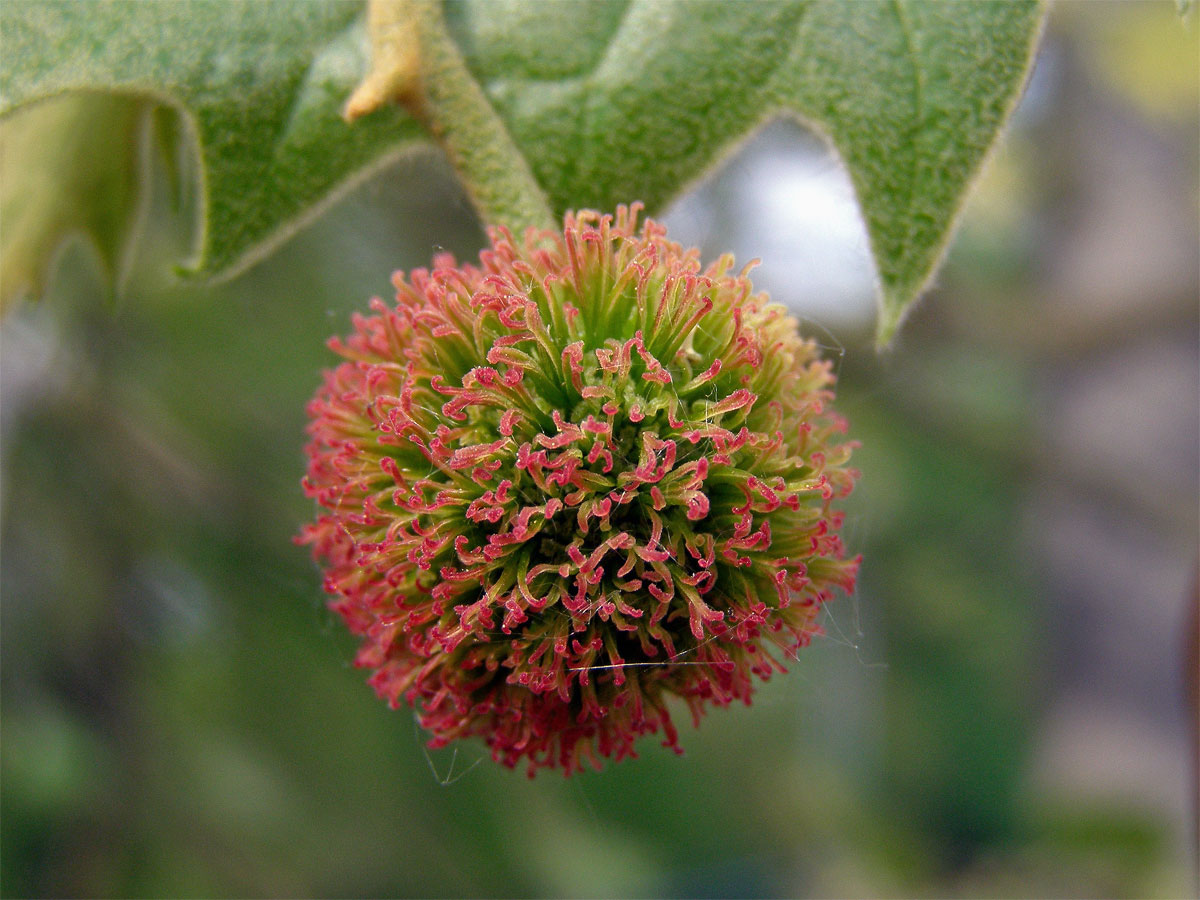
column 608, row 102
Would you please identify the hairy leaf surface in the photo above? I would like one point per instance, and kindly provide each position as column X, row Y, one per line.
column 607, row 102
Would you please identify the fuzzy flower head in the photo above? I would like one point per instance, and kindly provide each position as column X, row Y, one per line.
column 561, row 487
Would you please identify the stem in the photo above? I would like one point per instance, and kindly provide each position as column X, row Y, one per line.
column 453, row 106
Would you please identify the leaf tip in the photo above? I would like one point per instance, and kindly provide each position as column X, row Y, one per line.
column 885, row 331
column 894, row 306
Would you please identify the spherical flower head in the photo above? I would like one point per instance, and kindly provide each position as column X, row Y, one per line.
column 564, row 486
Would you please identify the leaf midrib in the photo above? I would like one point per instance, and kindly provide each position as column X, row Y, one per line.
column 918, row 102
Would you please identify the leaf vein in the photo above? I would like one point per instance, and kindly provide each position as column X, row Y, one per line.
column 918, row 102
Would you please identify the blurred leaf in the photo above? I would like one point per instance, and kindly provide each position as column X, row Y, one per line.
column 606, row 103
column 68, row 167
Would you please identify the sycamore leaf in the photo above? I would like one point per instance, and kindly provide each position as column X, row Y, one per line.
column 603, row 102
column 635, row 100
column 261, row 83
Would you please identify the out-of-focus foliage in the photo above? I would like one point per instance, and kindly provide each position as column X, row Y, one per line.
column 179, row 714
column 65, row 187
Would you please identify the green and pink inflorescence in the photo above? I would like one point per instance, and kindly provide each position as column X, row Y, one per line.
column 564, row 486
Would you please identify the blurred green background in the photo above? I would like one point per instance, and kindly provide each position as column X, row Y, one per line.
column 999, row 711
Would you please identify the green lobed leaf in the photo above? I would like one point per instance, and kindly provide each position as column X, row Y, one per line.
column 636, row 99
column 261, row 82
column 604, row 102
